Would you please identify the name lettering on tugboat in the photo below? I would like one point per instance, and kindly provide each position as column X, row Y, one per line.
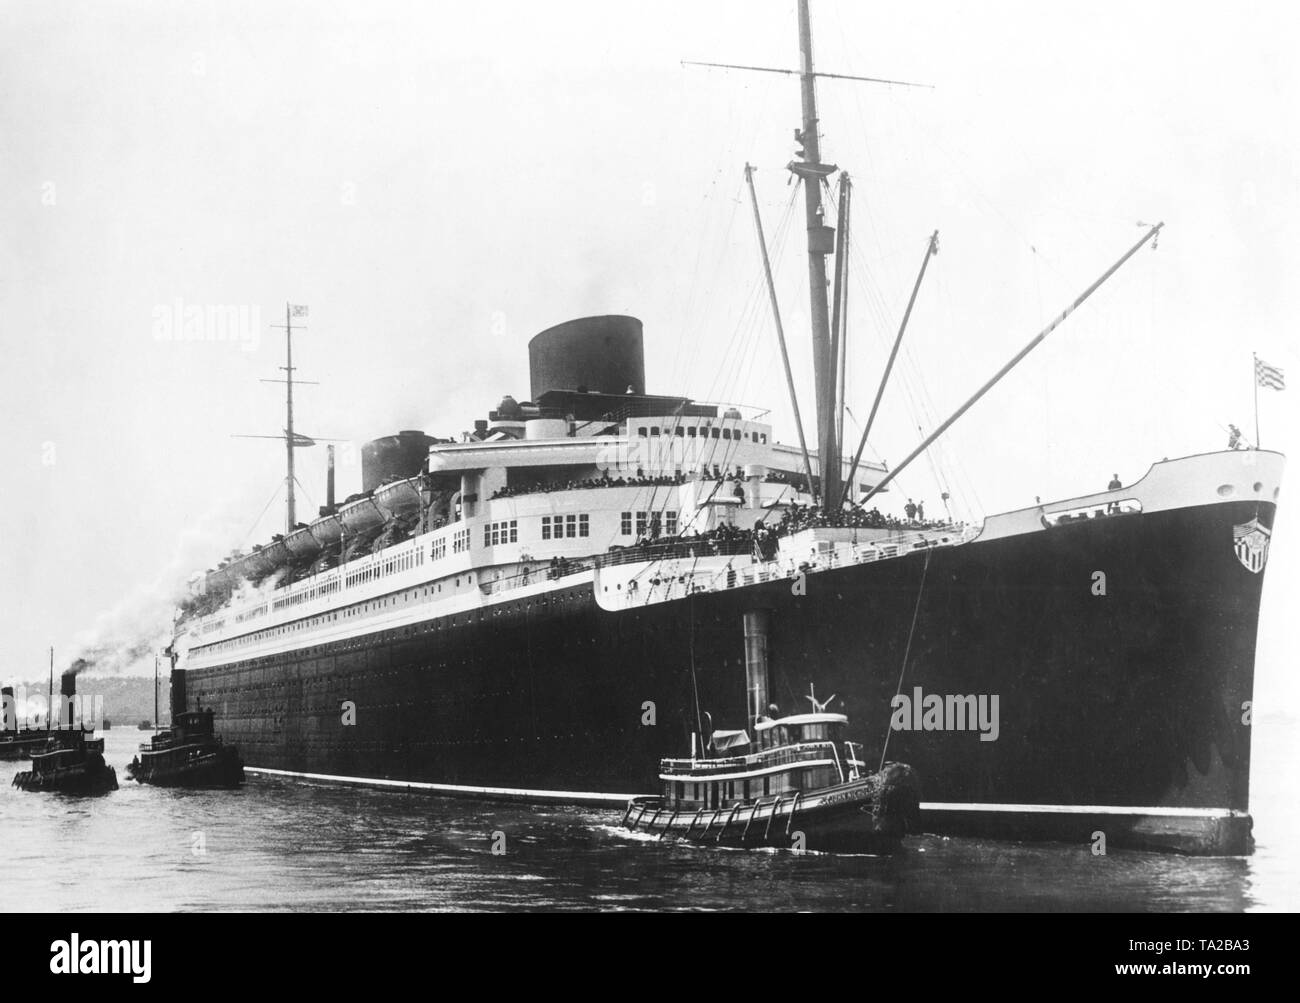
column 953, row 712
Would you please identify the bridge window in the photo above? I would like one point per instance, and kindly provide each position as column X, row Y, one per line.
column 690, row 432
column 670, row 523
column 654, row 429
column 495, row 533
column 642, row 431
column 625, row 524
column 679, row 432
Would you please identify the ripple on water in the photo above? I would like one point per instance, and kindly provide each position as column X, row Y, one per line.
column 313, row 847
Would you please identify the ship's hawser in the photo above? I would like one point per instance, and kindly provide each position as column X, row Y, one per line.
column 543, row 610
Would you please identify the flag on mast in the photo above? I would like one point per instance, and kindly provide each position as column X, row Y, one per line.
column 1268, row 376
column 297, row 311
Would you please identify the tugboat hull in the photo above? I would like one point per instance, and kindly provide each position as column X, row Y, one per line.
column 869, row 816
column 221, row 768
column 90, row 776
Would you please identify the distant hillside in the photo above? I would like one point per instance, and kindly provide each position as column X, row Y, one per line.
column 128, row 700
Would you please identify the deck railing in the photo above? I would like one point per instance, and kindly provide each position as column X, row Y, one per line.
column 668, row 582
column 782, row 756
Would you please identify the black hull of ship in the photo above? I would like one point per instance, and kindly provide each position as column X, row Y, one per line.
column 1124, row 714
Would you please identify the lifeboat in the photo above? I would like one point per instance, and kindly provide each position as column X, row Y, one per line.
column 327, row 530
column 399, row 498
column 361, row 515
column 301, row 543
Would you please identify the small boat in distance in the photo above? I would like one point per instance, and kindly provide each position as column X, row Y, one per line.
column 145, row 725
column 797, row 790
column 71, row 764
column 189, row 754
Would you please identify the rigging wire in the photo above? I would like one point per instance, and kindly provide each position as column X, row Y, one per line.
column 907, row 651
column 265, row 508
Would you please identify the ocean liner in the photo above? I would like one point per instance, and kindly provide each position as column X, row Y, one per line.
column 549, row 606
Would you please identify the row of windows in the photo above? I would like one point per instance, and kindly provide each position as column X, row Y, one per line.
column 494, row 534
column 713, row 795
column 358, row 609
column 391, row 566
column 503, row 532
column 561, row 526
column 325, row 588
column 649, row 521
column 691, row 432
column 396, row 599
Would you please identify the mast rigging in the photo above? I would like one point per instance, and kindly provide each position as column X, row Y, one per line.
column 1015, row 361
column 931, row 249
column 780, row 328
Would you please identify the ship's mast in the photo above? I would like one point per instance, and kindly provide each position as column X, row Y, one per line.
column 292, row 440
column 827, row 369
column 290, row 519
column 820, row 243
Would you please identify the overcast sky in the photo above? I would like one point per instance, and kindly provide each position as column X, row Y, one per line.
column 438, row 182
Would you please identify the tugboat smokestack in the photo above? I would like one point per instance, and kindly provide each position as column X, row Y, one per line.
column 756, row 628
column 68, row 687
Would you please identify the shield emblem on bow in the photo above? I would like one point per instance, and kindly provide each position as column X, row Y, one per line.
column 1251, row 543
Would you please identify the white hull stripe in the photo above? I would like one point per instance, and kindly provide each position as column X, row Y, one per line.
column 513, row 792
column 1084, row 809
column 571, row 796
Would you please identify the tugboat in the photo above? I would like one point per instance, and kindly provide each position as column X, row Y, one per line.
column 798, row 784
column 71, row 764
column 797, row 791
column 67, row 758
column 16, row 743
column 189, row 754
column 23, row 742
